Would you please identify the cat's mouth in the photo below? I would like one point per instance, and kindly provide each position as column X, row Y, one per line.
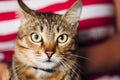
column 46, row 70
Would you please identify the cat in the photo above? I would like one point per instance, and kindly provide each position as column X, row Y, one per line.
column 46, row 46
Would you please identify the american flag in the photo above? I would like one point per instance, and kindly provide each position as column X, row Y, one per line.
column 96, row 21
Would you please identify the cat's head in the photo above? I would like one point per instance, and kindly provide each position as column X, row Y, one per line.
column 47, row 41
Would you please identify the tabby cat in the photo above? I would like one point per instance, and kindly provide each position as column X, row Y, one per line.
column 46, row 46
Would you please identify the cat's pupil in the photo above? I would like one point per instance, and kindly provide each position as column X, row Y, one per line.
column 36, row 36
column 61, row 37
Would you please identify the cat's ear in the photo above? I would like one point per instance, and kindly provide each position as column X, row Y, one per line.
column 25, row 12
column 74, row 12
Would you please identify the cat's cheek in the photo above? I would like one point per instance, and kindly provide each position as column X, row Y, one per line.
column 56, row 58
column 42, row 58
column 27, row 57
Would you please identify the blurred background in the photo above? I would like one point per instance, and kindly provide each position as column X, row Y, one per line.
column 97, row 25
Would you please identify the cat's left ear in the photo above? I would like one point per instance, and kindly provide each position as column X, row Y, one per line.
column 72, row 16
column 25, row 12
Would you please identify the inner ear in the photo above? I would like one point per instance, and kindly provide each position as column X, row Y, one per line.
column 73, row 13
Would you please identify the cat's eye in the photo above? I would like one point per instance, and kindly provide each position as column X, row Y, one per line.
column 35, row 37
column 62, row 38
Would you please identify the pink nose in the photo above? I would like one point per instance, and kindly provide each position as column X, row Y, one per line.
column 49, row 54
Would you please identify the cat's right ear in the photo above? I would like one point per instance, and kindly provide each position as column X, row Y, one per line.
column 25, row 12
column 72, row 15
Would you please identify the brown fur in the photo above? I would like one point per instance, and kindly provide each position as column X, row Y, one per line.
column 47, row 59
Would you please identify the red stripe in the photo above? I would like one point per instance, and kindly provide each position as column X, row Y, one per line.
column 4, row 38
column 7, row 55
column 96, row 22
column 7, row 16
column 89, row 2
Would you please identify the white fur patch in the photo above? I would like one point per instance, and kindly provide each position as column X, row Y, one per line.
column 47, row 65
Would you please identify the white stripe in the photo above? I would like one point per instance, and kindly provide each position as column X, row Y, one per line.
column 88, row 12
column 96, row 33
column 6, row 6
column 2, row 56
column 7, row 27
column 7, row 45
column 94, row 11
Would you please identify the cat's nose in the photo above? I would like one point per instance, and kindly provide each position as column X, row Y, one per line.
column 49, row 53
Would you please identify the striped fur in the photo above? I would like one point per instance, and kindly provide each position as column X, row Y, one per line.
column 46, row 45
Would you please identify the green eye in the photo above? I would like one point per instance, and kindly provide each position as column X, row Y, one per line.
column 62, row 38
column 36, row 37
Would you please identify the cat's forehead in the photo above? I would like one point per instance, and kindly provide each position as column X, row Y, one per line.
column 49, row 17
column 47, row 20
column 47, row 23
column 53, row 20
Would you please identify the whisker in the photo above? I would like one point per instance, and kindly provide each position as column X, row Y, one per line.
column 63, row 66
column 82, row 57
column 77, row 67
column 70, row 67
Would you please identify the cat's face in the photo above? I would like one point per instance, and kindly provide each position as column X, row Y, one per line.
column 47, row 41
